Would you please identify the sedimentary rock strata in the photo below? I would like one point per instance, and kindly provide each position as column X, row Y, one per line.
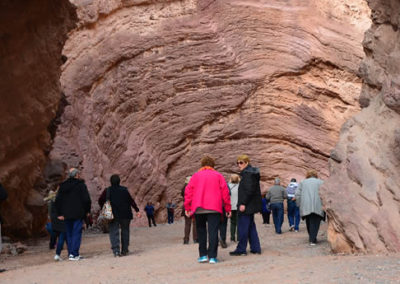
column 153, row 85
column 32, row 35
column 362, row 195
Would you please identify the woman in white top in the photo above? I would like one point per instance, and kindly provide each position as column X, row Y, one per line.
column 233, row 189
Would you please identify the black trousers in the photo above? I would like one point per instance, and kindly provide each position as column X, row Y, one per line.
column 265, row 216
column 312, row 222
column 223, row 225
column 212, row 219
column 114, row 227
column 150, row 218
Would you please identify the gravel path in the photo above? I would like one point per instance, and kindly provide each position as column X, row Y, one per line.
column 158, row 256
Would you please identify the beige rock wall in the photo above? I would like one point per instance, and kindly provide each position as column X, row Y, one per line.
column 32, row 34
column 153, row 85
column 362, row 196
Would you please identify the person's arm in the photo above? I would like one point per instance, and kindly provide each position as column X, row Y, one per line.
column 226, row 196
column 102, row 198
column 188, row 197
column 247, row 189
column 268, row 196
column 3, row 193
column 87, row 202
column 297, row 195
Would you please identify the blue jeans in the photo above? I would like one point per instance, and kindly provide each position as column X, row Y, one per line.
column 74, row 236
column 61, row 240
column 247, row 232
column 293, row 214
column 277, row 215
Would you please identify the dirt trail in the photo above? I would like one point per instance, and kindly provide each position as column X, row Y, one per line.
column 158, row 256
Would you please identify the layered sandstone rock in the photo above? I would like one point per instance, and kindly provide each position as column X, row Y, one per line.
column 32, row 34
column 153, row 85
column 362, row 196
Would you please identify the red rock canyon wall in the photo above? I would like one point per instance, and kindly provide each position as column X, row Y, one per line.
column 362, row 196
column 32, row 35
column 153, row 85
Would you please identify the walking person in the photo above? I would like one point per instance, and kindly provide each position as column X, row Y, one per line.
column 72, row 205
column 57, row 226
column 206, row 196
column 3, row 196
column 309, row 201
column 293, row 211
column 121, row 203
column 170, row 211
column 223, row 225
column 249, row 203
column 149, row 209
column 234, row 191
column 265, row 210
column 276, row 194
column 188, row 220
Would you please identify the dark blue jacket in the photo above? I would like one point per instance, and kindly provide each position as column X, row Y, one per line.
column 149, row 210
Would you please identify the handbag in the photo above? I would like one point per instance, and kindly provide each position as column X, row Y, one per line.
column 106, row 211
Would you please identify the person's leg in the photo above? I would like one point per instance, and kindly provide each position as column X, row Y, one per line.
column 149, row 220
column 68, row 234
column 188, row 223
column 315, row 221
column 280, row 216
column 308, row 227
column 233, row 225
column 291, row 212
column 77, row 237
column 223, row 224
column 154, row 221
column 275, row 211
column 254, row 241
column 213, row 220
column 60, row 243
column 268, row 216
column 296, row 218
column 194, row 229
column 114, row 236
column 124, row 223
column 201, row 225
column 264, row 217
column 244, row 224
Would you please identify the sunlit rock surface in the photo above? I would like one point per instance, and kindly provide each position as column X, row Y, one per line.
column 362, row 196
column 153, row 85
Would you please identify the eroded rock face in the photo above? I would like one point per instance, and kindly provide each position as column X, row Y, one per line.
column 362, row 196
column 153, row 85
column 32, row 35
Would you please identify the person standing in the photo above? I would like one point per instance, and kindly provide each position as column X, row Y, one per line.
column 265, row 210
column 309, row 201
column 121, row 203
column 276, row 194
column 249, row 203
column 206, row 196
column 149, row 209
column 170, row 211
column 72, row 206
column 234, row 190
column 293, row 211
column 3, row 196
column 188, row 220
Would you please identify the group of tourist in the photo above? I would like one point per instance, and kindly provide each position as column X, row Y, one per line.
column 208, row 200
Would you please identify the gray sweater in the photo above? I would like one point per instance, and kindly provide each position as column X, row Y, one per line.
column 276, row 194
column 307, row 197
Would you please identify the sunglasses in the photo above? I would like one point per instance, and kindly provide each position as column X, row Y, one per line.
column 240, row 162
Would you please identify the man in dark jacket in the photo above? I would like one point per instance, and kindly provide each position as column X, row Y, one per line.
column 249, row 202
column 3, row 196
column 121, row 203
column 73, row 205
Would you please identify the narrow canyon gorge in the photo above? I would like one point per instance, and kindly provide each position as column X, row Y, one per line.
column 144, row 88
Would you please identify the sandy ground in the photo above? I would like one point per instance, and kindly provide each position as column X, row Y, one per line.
column 158, row 256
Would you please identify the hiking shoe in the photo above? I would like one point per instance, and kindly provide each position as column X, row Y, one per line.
column 255, row 252
column 185, row 242
column 202, row 259
column 117, row 254
column 296, row 231
column 223, row 244
column 312, row 244
column 57, row 258
column 213, row 260
column 237, row 253
column 124, row 253
column 74, row 258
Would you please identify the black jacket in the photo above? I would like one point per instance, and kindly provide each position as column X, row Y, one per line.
column 121, row 202
column 3, row 196
column 73, row 200
column 56, row 224
column 249, row 190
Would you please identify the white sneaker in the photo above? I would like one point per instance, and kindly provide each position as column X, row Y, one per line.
column 57, row 258
column 73, row 258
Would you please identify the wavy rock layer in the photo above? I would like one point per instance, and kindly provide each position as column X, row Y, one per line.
column 362, row 196
column 32, row 35
column 153, row 85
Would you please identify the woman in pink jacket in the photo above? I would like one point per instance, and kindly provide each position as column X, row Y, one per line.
column 205, row 196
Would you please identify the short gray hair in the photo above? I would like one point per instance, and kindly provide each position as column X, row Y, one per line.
column 277, row 181
column 73, row 172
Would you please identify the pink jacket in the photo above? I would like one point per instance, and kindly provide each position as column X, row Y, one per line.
column 207, row 189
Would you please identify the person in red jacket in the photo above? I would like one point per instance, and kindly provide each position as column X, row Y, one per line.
column 205, row 196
